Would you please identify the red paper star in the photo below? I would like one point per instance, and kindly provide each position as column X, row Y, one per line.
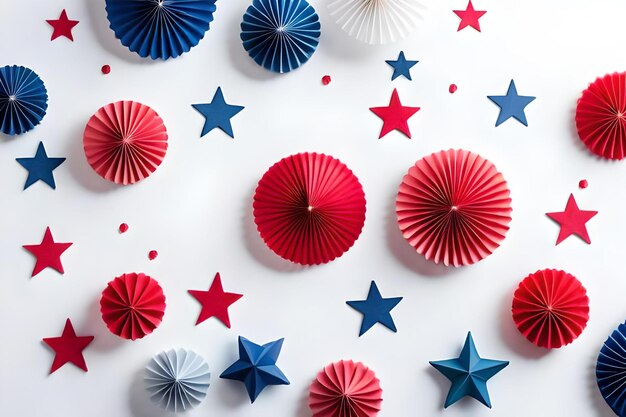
column 469, row 17
column 68, row 348
column 62, row 26
column 395, row 116
column 48, row 253
column 215, row 302
column 572, row 221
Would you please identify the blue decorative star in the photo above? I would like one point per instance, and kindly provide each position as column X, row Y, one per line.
column 217, row 114
column 511, row 105
column 375, row 309
column 40, row 167
column 256, row 366
column 469, row 374
column 401, row 67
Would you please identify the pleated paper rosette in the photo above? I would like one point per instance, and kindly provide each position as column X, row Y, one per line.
column 345, row 389
column 611, row 370
column 550, row 308
column 160, row 28
column 454, row 207
column 280, row 35
column 23, row 99
column 177, row 380
column 132, row 305
column 309, row 208
column 125, row 141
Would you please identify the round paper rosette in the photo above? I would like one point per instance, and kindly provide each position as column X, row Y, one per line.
column 160, row 28
column 345, row 389
column 454, row 207
column 309, row 208
column 611, row 370
column 125, row 141
column 132, row 305
column 177, row 380
column 23, row 100
column 280, row 35
column 550, row 308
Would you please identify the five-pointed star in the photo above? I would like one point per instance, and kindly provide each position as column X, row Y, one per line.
column 401, row 67
column 215, row 302
column 48, row 253
column 375, row 309
column 218, row 114
column 62, row 26
column 469, row 17
column 511, row 105
column 572, row 221
column 40, row 167
column 68, row 348
column 469, row 374
column 395, row 116
column 256, row 366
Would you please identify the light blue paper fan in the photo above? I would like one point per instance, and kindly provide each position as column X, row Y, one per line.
column 23, row 99
column 611, row 370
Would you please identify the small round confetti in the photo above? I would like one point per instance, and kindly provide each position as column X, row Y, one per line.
column 583, row 184
column 452, row 89
column 152, row 255
column 326, row 79
column 123, row 228
column 106, row 69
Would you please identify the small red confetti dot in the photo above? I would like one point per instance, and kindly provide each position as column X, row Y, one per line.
column 123, row 228
column 326, row 79
column 105, row 69
column 152, row 255
column 583, row 184
column 452, row 89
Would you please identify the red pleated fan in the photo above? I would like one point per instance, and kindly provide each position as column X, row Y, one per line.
column 454, row 207
column 309, row 208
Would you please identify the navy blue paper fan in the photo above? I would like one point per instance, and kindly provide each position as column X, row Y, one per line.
column 280, row 35
column 160, row 28
column 611, row 370
column 23, row 100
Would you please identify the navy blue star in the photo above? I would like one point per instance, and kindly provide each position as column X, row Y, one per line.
column 40, row 167
column 511, row 105
column 375, row 309
column 401, row 67
column 217, row 114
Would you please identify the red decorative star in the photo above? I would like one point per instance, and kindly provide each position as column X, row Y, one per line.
column 572, row 221
column 62, row 26
column 469, row 17
column 68, row 348
column 395, row 116
column 48, row 253
column 215, row 302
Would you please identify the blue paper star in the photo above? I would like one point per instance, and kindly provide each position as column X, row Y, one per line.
column 40, row 167
column 217, row 114
column 256, row 366
column 511, row 105
column 375, row 309
column 401, row 67
column 469, row 374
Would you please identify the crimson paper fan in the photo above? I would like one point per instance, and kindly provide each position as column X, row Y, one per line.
column 454, row 207
column 132, row 305
column 309, row 208
column 550, row 308
column 125, row 141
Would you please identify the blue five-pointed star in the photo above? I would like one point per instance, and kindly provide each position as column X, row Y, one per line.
column 256, row 366
column 375, row 309
column 469, row 374
column 217, row 114
column 401, row 67
column 511, row 105
column 40, row 167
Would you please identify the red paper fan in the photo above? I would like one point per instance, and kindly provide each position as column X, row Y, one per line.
column 132, row 305
column 454, row 207
column 309, row 208
column 345, row 389
column 550, row 308
column 125, row 141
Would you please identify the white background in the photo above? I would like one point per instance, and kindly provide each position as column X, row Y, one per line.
column 196, row 210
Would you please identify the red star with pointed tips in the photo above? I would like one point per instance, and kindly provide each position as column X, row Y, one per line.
column 48, row 253
column 215, row 302
column 62, row 26
column 469, row 17
column 395, row 116
column 572, row 221
column 68, row 348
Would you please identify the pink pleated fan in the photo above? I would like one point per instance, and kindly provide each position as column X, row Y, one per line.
column 125, row 142
column 454, row 207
